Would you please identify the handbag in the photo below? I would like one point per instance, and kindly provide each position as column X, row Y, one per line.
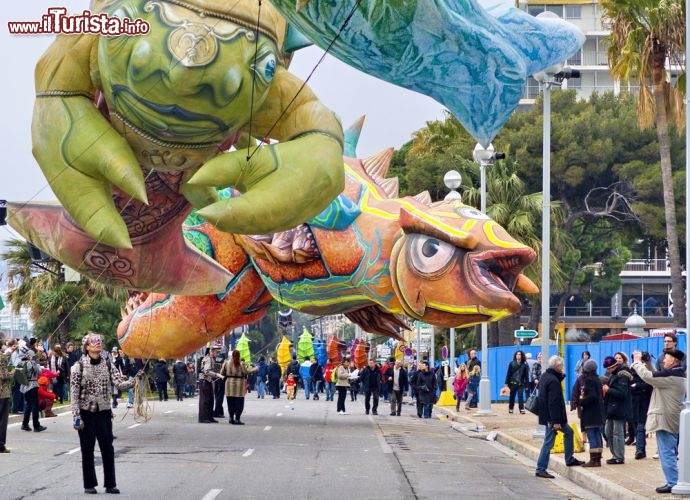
column 532, row 403
column 504, row 391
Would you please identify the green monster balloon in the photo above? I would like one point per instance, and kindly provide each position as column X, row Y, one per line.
column 305, row 346
column 242, row 346
column 131, row 132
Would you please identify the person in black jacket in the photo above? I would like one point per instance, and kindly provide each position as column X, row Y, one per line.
column 370, row 377
column 641, row 393
column 618, row 407
column 396, row 380
column 590, row 401
column 552, row 414
column 180, row 376
column 425, row 385
column 274, row 374
column 316, row 374
column 161, row 377
column 517, row 379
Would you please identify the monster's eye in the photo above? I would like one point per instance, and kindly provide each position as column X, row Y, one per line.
column 266, row 68
column 472, row 213
column 429, row 255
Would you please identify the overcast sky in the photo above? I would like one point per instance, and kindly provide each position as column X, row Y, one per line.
column 393, row 114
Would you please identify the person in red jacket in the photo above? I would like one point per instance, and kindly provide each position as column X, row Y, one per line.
column 46, row 398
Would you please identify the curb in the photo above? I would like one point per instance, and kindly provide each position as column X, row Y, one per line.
column 583, row 478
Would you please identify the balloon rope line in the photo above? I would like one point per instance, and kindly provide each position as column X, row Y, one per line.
column 304, row 84
column 251, row 101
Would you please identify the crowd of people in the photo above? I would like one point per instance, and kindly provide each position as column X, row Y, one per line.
column 619, row 399
column 613, row 400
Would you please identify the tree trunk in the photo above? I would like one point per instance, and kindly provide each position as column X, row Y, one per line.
column 677, row 292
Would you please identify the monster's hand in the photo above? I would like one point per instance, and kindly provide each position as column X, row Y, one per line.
column 81, row 155
column 282, row 185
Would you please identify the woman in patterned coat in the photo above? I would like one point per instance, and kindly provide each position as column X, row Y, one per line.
column 235, row 373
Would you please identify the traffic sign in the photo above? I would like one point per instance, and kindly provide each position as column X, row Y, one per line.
column 525, row 334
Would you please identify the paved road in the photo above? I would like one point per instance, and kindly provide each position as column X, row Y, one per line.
column 303, row 450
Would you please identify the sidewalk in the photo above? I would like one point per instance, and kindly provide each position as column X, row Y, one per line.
column 637, row 479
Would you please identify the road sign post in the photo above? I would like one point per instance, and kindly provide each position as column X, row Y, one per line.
column 525, row 334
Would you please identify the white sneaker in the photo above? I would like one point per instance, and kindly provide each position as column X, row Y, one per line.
column 129, row 405
column 345, row 413
column 341, row 412
column 655, row 456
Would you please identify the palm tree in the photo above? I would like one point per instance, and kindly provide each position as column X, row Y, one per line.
column 645, row 34
column 60, row 310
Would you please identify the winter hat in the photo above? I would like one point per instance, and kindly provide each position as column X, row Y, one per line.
column 26, row 352
column 589, row 366
column 43, row 381
column 679, row 355
column 609, row 361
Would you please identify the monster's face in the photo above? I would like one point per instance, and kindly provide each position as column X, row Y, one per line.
column 453, row 266
column 191, row 79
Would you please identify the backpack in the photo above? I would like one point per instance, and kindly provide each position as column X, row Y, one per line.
column 21, row 374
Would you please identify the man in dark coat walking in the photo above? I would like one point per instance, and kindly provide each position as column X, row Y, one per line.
column 274, row 374
column 396, row 380
column 552, row 414
column 370, row 377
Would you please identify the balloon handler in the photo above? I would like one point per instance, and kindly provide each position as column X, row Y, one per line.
column 91, row 382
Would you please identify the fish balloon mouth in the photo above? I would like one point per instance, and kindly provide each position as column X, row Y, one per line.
column 496, row 274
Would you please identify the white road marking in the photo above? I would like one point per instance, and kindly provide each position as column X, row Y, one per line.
column 279, row 414
column 267, row 428
column 248, row 452
column 72, row 451
column 211, row 494
column 169, row 411
column 194, row 404
column 133, row 426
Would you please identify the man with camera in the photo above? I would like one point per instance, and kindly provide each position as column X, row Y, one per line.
column 665, row 406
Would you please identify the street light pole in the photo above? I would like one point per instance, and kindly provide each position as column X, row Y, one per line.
column 484, row 157
column 452, row 180
column 683, row 485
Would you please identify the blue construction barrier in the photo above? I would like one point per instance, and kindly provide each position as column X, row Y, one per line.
column 500, row 357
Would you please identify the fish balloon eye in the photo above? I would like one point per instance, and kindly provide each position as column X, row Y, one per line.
column 430, row 256
column 472, row 213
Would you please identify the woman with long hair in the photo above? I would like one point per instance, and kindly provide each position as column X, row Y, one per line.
column 460, row 382
column 235, row 373
column 517, row 379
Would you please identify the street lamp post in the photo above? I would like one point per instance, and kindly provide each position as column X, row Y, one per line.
column 548, row 78
column 452, row 180
column 484, row 157
column 683, row 485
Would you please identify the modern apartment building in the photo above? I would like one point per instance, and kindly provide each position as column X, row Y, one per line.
column 591, row 59
column 646, row 288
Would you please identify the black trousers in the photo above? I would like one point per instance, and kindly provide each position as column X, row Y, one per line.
column 219, row 390
column 342, row 394
column 367, row 398
column 235, row 407
column 162, row 388
column 179, row 390
column 31, row 407
column 206, row 400
column 98, row 426
column 274, row 387
column 4, row 419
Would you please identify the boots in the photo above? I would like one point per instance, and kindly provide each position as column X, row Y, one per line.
column 594, row 458
column 49, row 413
